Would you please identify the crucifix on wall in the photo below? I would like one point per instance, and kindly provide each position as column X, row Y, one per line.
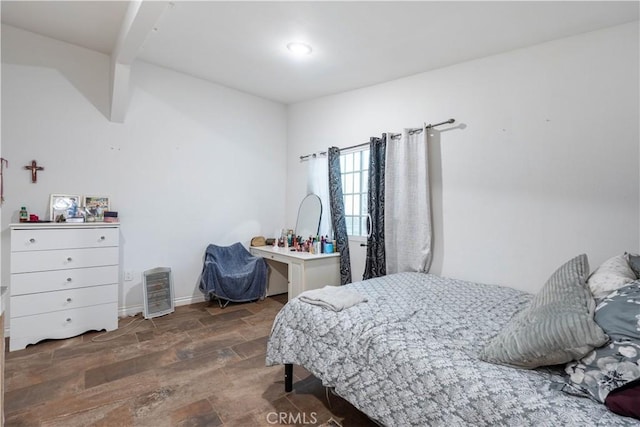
column 34, row 168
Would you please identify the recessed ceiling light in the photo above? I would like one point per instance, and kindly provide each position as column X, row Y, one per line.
column 299, row 48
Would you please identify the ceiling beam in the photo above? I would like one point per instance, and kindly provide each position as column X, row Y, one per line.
column 139, row 21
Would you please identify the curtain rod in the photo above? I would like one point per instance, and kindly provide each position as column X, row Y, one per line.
column 446, row 122
column 393, row 135
column 314, row 155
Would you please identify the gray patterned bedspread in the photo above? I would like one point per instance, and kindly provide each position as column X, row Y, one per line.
column 408, row 357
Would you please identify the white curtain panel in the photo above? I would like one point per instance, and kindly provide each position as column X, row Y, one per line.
column 318, row 184
column 407, row 219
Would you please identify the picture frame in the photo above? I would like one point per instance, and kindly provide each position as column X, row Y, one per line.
column 95, row 206
column 67, row 205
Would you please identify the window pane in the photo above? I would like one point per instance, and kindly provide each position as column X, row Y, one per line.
column 364, row 207
column 364, row 188
column 355, row 176
column 348, row 205
column 348, row 160
column 348, row 183
column 356, row 204
column 356, row 182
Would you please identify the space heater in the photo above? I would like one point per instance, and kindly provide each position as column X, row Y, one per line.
column 157, row 287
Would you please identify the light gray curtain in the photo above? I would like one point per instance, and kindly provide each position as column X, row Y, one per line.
column 407, row 222
column 337, row 214
column 318, row 183
column 375, row 265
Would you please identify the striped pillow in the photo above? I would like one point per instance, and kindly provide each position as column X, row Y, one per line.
column 555, row 328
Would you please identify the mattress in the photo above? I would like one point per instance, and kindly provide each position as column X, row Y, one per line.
column 409, row 356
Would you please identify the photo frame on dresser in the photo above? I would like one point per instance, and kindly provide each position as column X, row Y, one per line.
column 95, row 207
column 65, row 205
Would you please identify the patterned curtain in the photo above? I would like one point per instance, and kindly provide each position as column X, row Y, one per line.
column 376, row 260
column 337, row 214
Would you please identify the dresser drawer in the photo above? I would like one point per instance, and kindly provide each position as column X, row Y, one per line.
column 24, row 262
column 45, row 239
column 46, row 281
column 45, row 302
column 62, row 324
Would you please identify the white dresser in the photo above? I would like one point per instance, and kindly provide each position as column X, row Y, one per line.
column 64, row 280
column 296, row 272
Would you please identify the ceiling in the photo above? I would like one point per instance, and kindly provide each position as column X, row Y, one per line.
column 242, row 45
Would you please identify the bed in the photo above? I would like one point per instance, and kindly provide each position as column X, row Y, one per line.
column 409, row 356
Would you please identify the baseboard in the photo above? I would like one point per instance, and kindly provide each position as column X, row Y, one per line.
column 139, row 308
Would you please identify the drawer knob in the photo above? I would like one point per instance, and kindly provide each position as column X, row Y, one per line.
column 68, row 299
column 102, row 237
column 68, row 279
column 69, row 259
column 32, row 240
column 68, row 319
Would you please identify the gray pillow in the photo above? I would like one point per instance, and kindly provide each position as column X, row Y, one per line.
column 612, row 274
column 634, row 263
column 555, row 328
column 617, row 363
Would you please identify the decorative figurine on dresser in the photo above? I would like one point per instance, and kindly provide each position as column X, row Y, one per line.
column 64, row 280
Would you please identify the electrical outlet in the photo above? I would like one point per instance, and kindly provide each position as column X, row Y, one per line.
column 128, row 276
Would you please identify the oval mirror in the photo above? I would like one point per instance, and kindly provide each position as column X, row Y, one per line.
column 309, row 214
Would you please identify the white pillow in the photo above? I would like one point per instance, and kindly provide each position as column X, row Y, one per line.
column 612, row 274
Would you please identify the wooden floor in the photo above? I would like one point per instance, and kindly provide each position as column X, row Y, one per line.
column 199, row 366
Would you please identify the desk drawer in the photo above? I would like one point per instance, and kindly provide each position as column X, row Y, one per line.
column 46, row 281
column 24, row 262
column 274, row 256
column 46, row 302
column 41, row 240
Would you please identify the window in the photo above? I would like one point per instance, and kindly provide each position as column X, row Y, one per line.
column 354, row 167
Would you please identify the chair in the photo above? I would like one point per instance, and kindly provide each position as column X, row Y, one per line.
column 231, row 273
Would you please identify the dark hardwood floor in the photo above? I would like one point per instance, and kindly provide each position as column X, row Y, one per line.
column 199, row 366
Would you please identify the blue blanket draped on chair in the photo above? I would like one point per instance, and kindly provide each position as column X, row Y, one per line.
column 231, row 273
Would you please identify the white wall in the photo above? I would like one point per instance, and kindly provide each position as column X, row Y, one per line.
column 194, row 163
column 546, row 167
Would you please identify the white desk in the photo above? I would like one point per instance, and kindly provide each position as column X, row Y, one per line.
column 296, row 272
